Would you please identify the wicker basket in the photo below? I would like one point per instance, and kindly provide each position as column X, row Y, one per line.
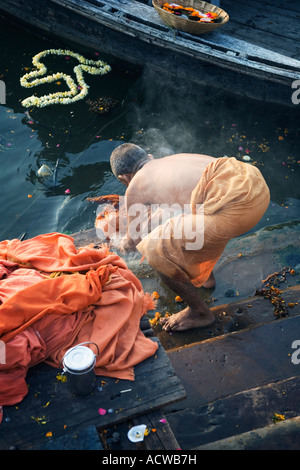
column 190, row 26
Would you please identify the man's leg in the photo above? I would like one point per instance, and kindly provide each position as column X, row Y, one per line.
column 196, row 315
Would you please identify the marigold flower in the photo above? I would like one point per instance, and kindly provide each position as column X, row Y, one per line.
column 191, row 12
column 278, row 417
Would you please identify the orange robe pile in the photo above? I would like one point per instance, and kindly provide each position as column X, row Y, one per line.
column 53, row 296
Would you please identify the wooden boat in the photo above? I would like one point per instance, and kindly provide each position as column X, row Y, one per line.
column 254, row 54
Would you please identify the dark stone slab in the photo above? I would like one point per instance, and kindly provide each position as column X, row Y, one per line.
column 237, row 361
column 281, row 436
column 236, row 382
column 236, row 414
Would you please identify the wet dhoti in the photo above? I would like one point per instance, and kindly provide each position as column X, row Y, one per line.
column 229, row 200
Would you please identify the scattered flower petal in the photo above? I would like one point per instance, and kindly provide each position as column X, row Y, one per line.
column 277, row 417
column 61, row 378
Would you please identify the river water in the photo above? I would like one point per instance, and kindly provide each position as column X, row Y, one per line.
column 156, row 112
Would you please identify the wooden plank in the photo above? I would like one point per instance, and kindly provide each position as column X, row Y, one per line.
column 200, row 62
column 133, row 9
column 87, row 439
column 272, row 29
column 161, row 436
column 156, row 34
column 50, row 407
column 293, row 5
column 97, row 17
column 282, row 22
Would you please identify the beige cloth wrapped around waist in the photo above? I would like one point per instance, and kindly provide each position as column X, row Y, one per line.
column 230, row 199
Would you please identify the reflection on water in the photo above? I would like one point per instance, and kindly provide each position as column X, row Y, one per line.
column 158, row 113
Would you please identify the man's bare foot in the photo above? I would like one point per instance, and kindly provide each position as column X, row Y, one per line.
column 211, row 282
column 187, row 319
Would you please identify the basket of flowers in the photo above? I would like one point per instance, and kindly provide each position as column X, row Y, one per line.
column 191, row 16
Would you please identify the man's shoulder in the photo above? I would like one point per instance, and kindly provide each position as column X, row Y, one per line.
column 138, row 185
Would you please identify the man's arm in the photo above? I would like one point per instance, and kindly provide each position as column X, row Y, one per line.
column 138, row 212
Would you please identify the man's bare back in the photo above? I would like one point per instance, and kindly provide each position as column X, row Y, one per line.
column 167, row 180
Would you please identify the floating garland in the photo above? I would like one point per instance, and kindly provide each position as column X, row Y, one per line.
column 76, row 91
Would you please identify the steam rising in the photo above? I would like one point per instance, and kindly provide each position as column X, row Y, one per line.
column 169, row 115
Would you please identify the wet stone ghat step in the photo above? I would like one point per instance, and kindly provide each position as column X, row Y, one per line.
column 238, row 383
column 234, row 316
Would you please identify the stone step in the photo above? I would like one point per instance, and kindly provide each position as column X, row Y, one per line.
column 284, row 435
column 237, row 361
column 236, row 414
column 236, row 382
column 235, row 315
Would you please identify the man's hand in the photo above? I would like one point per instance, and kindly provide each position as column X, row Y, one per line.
column 126, row 245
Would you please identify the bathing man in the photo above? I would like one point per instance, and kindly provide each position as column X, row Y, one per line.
column 225, row 197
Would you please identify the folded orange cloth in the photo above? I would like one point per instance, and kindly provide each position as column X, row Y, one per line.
column 55, row 252
column 232, row 197
column 95, row 298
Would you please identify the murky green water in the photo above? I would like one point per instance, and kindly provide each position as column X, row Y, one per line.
column 156, row 112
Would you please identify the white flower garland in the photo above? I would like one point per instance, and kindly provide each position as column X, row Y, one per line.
column 94, row 67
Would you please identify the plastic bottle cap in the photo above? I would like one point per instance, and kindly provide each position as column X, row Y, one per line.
column 79, row 358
